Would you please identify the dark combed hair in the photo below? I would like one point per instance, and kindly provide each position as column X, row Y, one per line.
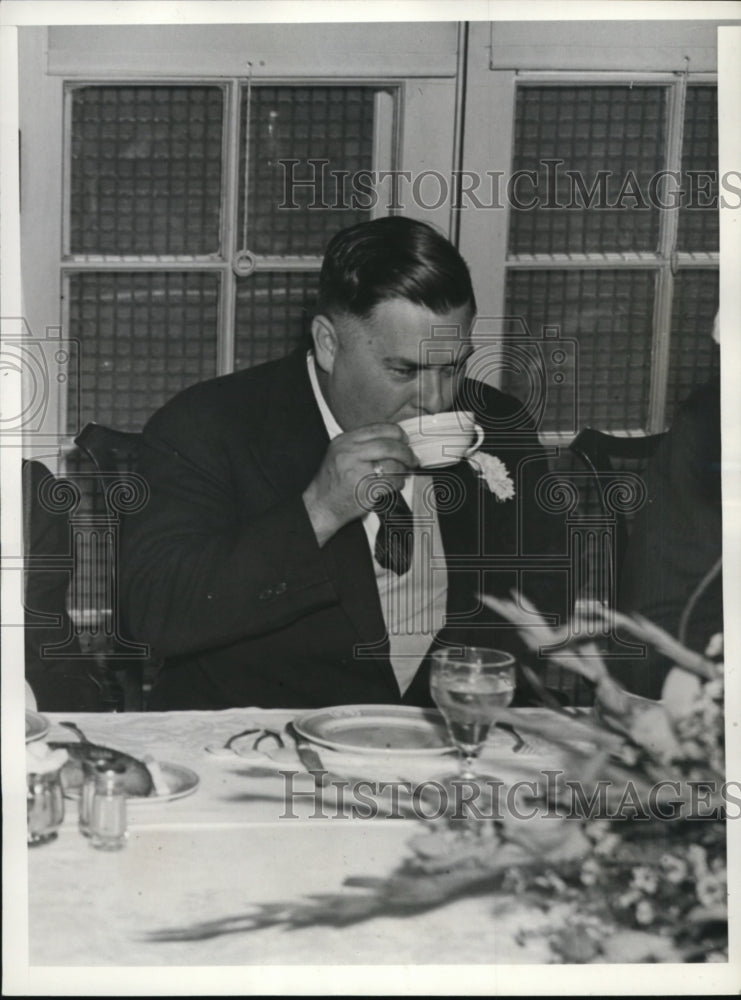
column 392, row 258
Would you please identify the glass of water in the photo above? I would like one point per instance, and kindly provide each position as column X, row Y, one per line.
column 470, row 685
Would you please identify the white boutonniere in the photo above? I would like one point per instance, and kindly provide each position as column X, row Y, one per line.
column 494, row 473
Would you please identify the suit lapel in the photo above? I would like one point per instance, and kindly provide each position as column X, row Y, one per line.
column 289, row 454
column 457, row 496
column 293, row 439
column 472, row 526
column 470, row 530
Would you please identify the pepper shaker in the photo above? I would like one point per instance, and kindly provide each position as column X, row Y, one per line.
column 87, row 790
column 108, row 830
column 44, row 796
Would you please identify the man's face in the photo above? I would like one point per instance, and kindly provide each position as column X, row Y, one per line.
column 402, row 361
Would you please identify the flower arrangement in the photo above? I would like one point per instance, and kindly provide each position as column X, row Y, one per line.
column 493, row 472
column 603, row 886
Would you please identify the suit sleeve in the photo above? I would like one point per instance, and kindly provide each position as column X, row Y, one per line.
column 62, row 681
column 205, row 563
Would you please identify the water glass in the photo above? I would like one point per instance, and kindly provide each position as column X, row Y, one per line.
column 470, row 685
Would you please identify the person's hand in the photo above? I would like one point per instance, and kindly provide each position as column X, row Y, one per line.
column 357, row 466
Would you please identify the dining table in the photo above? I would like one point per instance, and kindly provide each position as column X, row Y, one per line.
column 244, row 829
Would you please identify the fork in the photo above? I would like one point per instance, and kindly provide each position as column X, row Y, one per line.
column 226, row 748
column 260, row 732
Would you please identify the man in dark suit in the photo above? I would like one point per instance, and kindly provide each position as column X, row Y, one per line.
column 255, row 568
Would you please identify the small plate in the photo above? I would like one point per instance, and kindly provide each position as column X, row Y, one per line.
column 397, row 729
column 180, row 780
column 36, row 726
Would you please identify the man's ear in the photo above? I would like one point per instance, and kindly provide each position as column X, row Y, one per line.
column 324, row 336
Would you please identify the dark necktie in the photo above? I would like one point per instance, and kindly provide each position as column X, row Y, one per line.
column 395, row 538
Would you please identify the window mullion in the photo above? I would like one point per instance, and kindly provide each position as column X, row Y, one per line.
column 140, row 262
column 696, row 259
column 295, row 262
column 668, row 227
column 579, row 261
column 67, row 170
column 384, row 141
column 229, row 235
column 65, row 438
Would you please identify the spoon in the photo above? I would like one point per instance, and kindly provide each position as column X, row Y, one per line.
column 76, row 730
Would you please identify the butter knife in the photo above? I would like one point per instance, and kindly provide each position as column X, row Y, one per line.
column 308, row 756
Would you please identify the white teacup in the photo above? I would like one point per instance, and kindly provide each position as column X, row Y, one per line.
column 439, row 439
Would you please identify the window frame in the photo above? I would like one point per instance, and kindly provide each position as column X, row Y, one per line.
column 500, row 54
column 666, row 262
column 388, row 114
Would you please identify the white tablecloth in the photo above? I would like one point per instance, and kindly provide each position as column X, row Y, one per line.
column 229, row 845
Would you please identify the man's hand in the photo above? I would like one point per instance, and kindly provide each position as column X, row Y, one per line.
column 340, row 491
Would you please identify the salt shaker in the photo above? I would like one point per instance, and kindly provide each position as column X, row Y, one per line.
column 45, row 807
column 87, row 790
column 44, row 796
column 108, row 808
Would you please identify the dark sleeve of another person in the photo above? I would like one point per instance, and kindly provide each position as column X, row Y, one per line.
column 61, row 679
column 676, row 539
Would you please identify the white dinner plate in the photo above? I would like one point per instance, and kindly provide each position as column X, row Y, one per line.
column 392, row 730
column 397, row 729
column 180, row 781
column 36, row 726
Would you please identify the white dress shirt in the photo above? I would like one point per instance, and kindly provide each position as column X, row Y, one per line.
column 413, row 604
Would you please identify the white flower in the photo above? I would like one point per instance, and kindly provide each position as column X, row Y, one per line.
column 590, row 872
column 643, row 880
column 628, row 898
column 608, row 844
column 644, row 912
column 711, row 890
column 494, row 472
column 697, row 858
column 674, row 868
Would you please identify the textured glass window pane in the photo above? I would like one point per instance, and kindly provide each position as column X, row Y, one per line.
column 143, row 337
column 619, row 130
column 694, row 357
column 274, row 310
column 304, row 123
column 609, row 314
column 146, row 170
column 698, row 219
